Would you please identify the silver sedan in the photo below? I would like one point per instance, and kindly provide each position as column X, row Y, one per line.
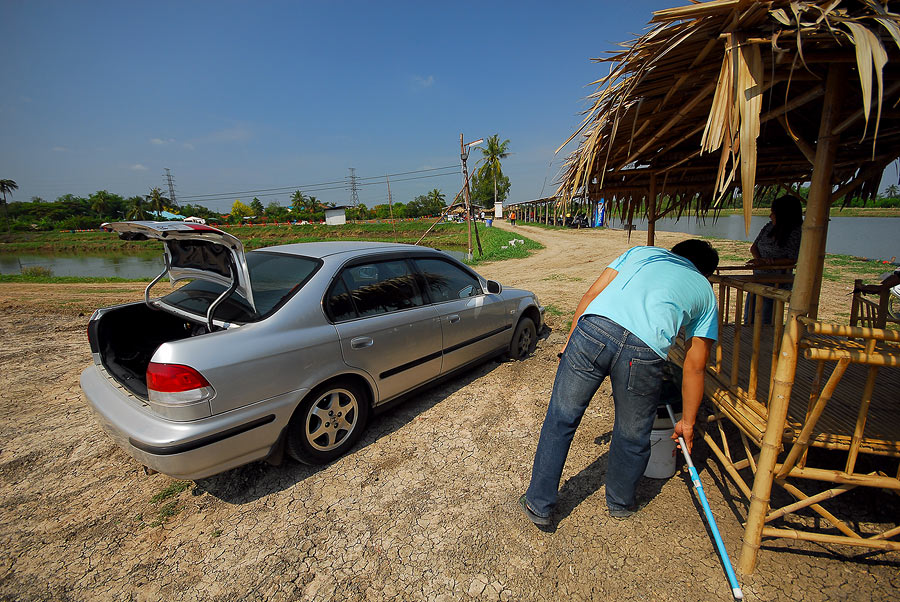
column 285, row 348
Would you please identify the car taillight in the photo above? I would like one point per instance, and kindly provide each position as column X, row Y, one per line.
column 176, row 384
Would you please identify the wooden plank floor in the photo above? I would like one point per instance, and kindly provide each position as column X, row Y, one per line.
column 836, row 425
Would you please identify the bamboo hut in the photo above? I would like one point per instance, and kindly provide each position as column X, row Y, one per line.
column 719, row 101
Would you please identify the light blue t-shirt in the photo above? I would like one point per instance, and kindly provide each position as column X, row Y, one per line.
column 654, row 294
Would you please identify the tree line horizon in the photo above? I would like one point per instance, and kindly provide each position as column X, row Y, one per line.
column 488, row 185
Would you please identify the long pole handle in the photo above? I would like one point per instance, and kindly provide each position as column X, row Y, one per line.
column 717, row 537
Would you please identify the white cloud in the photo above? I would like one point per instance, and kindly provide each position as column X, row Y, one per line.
column 59, row 149
column 423, row 82
column 137, row 167
column 161, row 141
column 188, row 146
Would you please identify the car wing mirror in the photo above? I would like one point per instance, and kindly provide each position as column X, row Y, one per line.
column 494, row 287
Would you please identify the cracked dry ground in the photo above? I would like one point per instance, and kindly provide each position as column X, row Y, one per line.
column 423, row 509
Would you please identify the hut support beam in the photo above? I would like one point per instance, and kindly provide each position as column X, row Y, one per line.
column 801, row 299
column 651, row 212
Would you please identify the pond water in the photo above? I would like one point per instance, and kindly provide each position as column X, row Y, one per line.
column 872, row 237
column 107, row 266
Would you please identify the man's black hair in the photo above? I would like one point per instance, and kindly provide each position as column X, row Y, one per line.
column 700, row 253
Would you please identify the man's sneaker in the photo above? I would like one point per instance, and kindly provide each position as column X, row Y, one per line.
column 542, row 521
column 620, row 513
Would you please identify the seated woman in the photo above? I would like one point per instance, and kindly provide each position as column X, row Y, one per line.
column 778, row 243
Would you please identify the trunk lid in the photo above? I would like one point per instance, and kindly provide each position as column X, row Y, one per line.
column 194, row 251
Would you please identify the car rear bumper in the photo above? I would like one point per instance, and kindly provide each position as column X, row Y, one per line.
column 186, row 450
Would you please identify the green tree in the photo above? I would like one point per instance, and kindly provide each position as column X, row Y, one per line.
column 276, row 212
column 257, row 207
column 239, row 211
column 482, row 188
column 136, row 208
column 157, row 201
column 892, row 191
column 7, row 186
column 493, row 153
column 102, row 202
column 298, row 203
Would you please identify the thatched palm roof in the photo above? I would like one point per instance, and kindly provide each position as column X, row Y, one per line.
column 725, row 97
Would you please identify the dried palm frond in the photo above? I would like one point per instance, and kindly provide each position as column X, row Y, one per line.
column 697, row 81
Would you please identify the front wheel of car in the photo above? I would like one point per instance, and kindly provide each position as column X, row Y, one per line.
column 327, row 423
column 524, row 339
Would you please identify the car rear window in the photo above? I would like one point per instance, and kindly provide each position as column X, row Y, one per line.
column 274, row 278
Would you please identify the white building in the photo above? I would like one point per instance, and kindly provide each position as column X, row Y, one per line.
column 335, row 216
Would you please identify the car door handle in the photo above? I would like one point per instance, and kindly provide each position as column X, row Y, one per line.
column 453, row 319
column 361, row 342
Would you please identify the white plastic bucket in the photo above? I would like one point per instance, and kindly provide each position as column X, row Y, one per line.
column 662, row 459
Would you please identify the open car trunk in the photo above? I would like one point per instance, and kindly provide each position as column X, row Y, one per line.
column 126, row 336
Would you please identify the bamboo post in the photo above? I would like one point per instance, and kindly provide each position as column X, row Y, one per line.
column 861, row 419
column 804, row 284
column 651, row 211
column 820, row 267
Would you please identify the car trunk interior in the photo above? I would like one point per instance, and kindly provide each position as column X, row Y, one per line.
column 128, row 336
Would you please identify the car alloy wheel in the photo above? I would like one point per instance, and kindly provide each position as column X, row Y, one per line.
column 328, row 422
column 331, row 419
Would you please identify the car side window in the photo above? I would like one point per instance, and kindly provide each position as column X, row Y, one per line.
column 447, row 282
column 338, row 304
column 375, row 288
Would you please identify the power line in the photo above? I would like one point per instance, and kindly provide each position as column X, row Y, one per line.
column 309, row 187
column 225, row 196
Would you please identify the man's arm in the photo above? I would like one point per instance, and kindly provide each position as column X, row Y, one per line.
column 599, row 284
column 695, row 358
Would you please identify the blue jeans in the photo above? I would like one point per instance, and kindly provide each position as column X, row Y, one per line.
column 599, row 348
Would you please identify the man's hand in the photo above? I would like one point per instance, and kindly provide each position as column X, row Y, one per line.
column 686, row 431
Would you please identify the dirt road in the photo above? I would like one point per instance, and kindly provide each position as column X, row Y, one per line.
column 423, row 509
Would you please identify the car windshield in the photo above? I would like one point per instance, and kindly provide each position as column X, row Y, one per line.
column 274, row 277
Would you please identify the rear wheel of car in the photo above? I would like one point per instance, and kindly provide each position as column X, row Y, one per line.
column 327, row 423
column 524, row 339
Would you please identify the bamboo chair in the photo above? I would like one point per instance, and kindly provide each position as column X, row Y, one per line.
column 855, row 412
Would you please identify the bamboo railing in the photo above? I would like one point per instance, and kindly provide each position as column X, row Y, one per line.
column 868, row 311
column 853, row 409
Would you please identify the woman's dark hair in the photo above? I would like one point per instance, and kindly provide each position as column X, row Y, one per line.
column 700, row 253
column 788, row 211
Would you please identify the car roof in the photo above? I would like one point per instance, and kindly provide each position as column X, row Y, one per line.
column 321, row 250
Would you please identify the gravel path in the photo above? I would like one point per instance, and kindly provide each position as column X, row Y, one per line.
column 423, row 509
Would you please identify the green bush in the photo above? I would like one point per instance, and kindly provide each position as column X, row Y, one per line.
column 37, row 271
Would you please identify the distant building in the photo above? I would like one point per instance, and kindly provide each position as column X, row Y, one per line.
column 335, row 216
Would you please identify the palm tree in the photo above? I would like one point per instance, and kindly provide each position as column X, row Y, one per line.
column 7, row 186
column 137, row 209
column 495, row 151
column 157, row 201
column 298, row 202
column 100, row 202
column 892, row 191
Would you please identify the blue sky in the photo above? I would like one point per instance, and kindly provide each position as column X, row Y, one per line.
column 235, row 96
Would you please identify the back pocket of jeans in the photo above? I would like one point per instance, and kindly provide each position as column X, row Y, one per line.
column 645, row 376
column 582, row 352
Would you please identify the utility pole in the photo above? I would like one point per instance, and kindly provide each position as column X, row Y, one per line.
column 171, row 182
column 463, row 155
column 391, row 207
column 354, row 188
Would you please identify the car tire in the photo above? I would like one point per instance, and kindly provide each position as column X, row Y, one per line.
column 327, row 423
column 524, row 340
